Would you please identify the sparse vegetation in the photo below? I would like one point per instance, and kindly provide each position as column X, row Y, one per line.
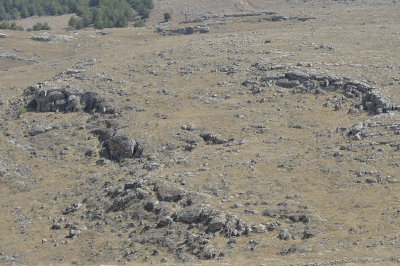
column 22, row 111
column 41, row 26
column 167, row 16
column 139, row 24
column 99, row 13
column 10, row 26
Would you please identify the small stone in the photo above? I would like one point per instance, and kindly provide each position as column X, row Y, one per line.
column 217, row 223
column 284, row 234
column 74, row 232
column 56, row 226
column 89, row 153
column 211, row 138
column 102, row 161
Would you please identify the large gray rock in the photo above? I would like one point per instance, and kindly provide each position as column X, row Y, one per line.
column 169, row 193
column 193, row 214
column 40, row 129
column 94, row 102
column 297, row 75
column 270, row 76
column 376, row 102
column 121, row 147
column 217, row 223
column 68, row 100
column 285, row 83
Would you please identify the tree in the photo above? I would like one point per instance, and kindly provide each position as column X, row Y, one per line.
column 24, row 12
column 99, row 13
column 167, row 16
column 40, row 26
column 3, row 14
column 73, row 21
column 139, row 24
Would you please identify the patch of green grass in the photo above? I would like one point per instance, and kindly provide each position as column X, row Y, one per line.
column 22, row 111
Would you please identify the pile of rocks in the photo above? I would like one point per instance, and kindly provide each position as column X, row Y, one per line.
column 117, row 146
column 67, row 99
column 371, row 99
column 183, row 31
column 164, row 215
column 48, row 37
column 17, row 57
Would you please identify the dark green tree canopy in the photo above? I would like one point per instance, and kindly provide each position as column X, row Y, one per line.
column 100, row 13
column 167, row 16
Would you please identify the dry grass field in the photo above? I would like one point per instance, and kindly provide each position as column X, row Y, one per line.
column 261, row 141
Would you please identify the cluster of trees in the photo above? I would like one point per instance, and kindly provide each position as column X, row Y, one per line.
column 10, row 26
column 41, row 26
column 100, row 13
column 13, row 9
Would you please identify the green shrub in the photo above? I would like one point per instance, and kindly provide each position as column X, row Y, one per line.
column 22, row 111
column 40, row 26
column 73, row 21
column 138, row 24
column 10, row 26
column 99, row 13
column 167, row 16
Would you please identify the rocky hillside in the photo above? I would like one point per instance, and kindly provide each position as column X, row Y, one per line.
column 256, row 132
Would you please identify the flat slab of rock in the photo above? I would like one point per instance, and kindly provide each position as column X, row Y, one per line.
column 40, row 129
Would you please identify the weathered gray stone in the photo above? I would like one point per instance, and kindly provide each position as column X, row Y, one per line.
column 285, row 83
column 211, row 138
column 284, row 234
column 297, row 75
column 40, row 129
column 193, row 214
column 217, row 223
column 69, row 100
column 121, row 147
column 167, row 192
column 269, row 76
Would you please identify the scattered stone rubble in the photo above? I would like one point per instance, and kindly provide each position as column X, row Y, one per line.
column 18, row 58
column 158, row 213
column 164, row 215
column 49, row 37
column 261, row 16
column 116, row 146
column 370, row 99
column 183, row 31
column 67, row 99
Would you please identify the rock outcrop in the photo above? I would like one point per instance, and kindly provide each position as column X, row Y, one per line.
column 68, row 100
column 370, row 99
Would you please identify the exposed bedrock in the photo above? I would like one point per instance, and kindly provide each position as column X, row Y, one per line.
column 68, row 99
